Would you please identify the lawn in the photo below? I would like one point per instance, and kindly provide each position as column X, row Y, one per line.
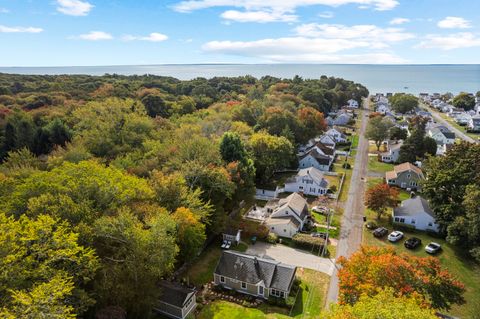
column 402, row 194
column 376, row 166
column 308, row 304
column 463, row 268
column 201, row 271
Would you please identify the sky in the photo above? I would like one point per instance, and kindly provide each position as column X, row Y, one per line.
column 133, row 32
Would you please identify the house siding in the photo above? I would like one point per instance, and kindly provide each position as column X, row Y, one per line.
column 422, row 221
column 309, row 161
column 404, row 181
column 237, row 285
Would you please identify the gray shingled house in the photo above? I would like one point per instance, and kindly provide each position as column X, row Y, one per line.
column 176, row 301
column 254, row 276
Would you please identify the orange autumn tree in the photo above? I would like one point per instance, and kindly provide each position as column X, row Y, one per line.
column 380, row 197
column 372, row 269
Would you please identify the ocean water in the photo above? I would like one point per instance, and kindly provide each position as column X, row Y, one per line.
column 377, row 78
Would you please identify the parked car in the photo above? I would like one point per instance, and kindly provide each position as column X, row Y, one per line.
column 226, row 244
column 380, row 232
column 395, row 236
column 433, row 248
column 371, row 225
column 320, row 209
column 412, row 243
column 319, row 234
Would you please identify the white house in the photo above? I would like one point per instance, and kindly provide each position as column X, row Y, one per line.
column 441, row 136
column 417, row 213
column 327, row 140
column 474, row 123
column 392, row 153
column 309, row 181
column 314, row 159
column 463, row 118
column 337, row 135
column 289, row 217
column 353, row 103
column 322, row 149
column 383, row 108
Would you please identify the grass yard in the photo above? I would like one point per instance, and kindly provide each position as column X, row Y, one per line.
column 376, row 166
column 466, row 271
column 201, row 271
column 309, row 302
column 402, row 194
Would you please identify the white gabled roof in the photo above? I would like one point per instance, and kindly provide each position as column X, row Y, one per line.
column 314, row 173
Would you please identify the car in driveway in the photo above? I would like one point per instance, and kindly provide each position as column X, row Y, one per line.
column 371, row 225
column 380, row 232
column 395, row 236
column 433, row 248
column 412, row 243
column 226, row 244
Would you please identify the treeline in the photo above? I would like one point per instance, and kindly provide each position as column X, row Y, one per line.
column 108, row 183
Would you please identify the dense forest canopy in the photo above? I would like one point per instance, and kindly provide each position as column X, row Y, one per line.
column 131, row 174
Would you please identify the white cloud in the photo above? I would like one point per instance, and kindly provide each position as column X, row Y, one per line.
column 263, row 11
column 398, row 21
column 378, row 37
column 4, row 10
column 152, row 37
column 5, row 29
column 450, row 42
column 454, row 23
column 258, row 16
column 326, row 14
column 95, row 36
column 279, row 6
column 74, row 7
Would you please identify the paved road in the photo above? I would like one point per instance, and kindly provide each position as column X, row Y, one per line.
column 292, row 256
column 452, row 128
column 352, row 219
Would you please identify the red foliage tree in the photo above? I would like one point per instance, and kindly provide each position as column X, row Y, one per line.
column 379, row 197
column 374, row 268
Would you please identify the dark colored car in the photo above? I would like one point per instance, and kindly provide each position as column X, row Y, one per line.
column 412, row 243
column 380, row 232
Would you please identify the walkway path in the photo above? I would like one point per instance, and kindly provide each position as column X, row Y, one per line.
column 352, row 219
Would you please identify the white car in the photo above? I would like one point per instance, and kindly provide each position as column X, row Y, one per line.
column 433, row 248
column 395, row 236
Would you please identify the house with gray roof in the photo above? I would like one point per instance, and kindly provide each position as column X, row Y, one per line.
column 416, row 213
column 176, row 301
column 289, row 216
column 393, row 152
column 441, row 136
column 310, row 181
column 313, row 158
column 253, row 275
column 474, row 123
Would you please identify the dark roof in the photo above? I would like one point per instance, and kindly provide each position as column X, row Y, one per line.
column 412, row 206
column 449, row 134
column 175, row 294
column 252, row 270
column 321, row 159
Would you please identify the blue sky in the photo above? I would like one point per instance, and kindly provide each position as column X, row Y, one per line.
column 103, row 32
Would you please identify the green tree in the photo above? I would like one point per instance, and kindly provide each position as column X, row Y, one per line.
column 112, row 127
column 378, row 130
column 156, row 105
column 397, row 133
column 465, row 101
column 19, row 132
column 190, row 233
column 451, row 185
column 135, row 255
column 384, row 305
column 41, row 256
column 270, row 153
column 403, row 103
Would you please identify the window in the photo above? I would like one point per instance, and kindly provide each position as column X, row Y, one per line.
column 273, row 228
column 222, row 279
column 284, row 230
column 409, row 175
column 277, row 293
column 402, row 220
column 430, row 224
column 397, row 219
column 244, row 285
column 413, row 221
column 260, row 290
column 300, row 187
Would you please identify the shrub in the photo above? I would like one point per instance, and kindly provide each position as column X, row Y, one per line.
column 333, row 188
column 307, row 241
column 272, row 238
column 347, row 165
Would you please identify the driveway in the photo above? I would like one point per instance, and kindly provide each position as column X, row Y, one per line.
column 292, row 256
